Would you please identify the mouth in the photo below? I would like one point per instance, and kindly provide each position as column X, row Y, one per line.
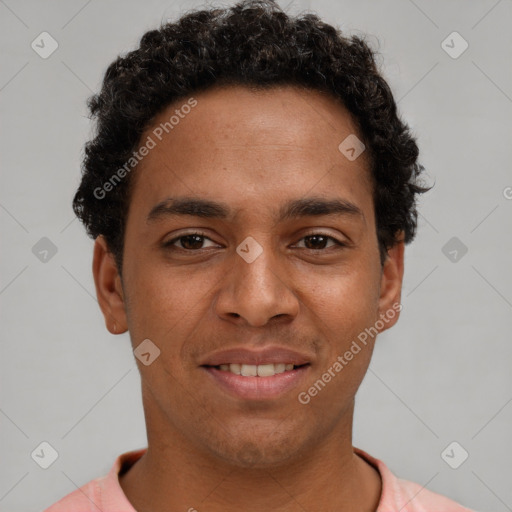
column 247, row 373
column 257, row 382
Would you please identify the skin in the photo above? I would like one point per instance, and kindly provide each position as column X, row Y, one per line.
column 253, row 151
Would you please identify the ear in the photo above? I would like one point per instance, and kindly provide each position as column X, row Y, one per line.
column 109, row 288
column 391, row 285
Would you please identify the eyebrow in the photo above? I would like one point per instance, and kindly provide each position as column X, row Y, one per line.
column 208, row 209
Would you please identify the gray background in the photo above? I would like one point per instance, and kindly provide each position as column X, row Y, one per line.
column 441, row 375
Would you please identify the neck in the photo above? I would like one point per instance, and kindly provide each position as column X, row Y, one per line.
column 175, row 475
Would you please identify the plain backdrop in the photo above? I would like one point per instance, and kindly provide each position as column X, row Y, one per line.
column 442, row 374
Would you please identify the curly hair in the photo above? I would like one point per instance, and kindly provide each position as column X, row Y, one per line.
column 256, row 44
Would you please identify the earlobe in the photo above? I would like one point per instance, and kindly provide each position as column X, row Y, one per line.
column 391, row 284
column 108, row 287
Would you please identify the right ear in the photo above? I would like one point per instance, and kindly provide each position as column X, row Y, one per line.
column 109, row 290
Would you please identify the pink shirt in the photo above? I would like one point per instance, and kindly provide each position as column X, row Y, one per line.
column 106, row 494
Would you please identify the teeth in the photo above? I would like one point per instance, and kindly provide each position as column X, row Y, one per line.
column 249, row 370
column 279, row 368
column 253, row 370
column 266, row 370
column 234, row 368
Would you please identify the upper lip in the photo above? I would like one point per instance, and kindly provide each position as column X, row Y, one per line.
column 268, row 355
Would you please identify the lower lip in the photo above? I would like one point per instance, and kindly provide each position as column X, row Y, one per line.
column 257, row 388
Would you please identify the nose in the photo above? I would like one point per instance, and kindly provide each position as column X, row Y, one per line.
column 256, row 292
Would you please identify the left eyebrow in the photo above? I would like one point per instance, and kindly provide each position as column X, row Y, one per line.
column 205, row 208
column 318, row 206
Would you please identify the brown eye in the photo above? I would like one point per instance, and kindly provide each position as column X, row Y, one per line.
column 188, row 242
column 191, row 241
column 318, row 241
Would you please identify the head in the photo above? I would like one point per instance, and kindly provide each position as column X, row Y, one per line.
column 230, row 211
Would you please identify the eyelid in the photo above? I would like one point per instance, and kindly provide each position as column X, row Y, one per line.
column 175, row 238
column 326, row 235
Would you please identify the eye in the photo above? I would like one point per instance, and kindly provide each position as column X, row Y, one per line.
column 317, row 241
column 194, row 242
column 188, row 241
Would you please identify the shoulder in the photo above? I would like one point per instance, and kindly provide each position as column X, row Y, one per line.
column 417, row 498
column 85, row 499
column 398, row 494
column 104, row 493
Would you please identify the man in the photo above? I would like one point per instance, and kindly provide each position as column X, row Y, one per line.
column 250, row 189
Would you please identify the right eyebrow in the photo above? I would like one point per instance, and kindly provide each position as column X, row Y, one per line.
column 175, row 206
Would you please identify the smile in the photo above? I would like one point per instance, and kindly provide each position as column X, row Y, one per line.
column 257, row 382
column 253, row 370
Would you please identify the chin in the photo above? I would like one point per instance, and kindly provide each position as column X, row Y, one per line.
column 257, row 448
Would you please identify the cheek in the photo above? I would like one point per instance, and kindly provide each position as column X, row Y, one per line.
column 154, row 309
column 346, row 299
column 343, row 306
column 172, row 308
column 348, row 305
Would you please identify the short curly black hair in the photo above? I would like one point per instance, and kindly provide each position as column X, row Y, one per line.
column 256, row 44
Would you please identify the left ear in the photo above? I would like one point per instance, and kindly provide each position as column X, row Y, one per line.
column 391, row 284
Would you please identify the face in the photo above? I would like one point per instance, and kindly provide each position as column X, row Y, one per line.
column 250, row 247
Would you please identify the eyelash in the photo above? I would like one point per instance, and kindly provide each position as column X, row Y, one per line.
column 170, row 244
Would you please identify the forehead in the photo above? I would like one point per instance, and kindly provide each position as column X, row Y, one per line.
column 240, row 144
column 277, row 115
